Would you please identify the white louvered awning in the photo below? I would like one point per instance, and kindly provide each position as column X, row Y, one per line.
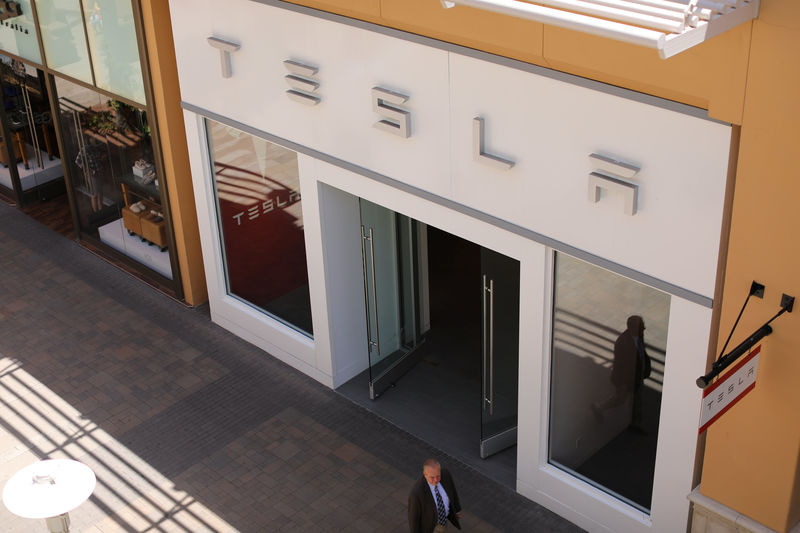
column 669, row 26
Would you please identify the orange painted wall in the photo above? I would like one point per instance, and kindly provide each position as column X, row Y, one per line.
column 749, row 76
column 164, row 74
column 751, row 460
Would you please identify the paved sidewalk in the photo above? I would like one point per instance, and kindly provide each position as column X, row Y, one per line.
column 188, row 428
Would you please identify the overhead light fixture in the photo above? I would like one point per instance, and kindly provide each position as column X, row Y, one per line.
column 669, row 26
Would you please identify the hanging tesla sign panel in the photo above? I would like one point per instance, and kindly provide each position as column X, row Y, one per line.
column 729, row 389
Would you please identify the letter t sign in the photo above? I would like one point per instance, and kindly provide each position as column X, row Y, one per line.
column 225, row 48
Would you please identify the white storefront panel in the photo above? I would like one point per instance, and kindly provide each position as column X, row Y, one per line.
column 527, row 191
column 350, row 63
column 549, row 128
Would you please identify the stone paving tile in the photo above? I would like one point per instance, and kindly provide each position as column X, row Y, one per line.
column 188, row 428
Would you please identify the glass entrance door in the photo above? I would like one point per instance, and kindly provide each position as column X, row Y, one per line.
column 500, row 332
column 30, row 152
column 390, row 259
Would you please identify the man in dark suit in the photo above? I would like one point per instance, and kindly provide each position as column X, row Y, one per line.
column 433, row 500
column 631, row 367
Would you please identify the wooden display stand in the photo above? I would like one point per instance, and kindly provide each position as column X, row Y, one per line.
column 154, row 232
column 17, row 148
column 144, row 224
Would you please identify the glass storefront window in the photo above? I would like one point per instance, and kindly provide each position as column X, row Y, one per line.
column 112, row 41
column 108, row 149
column 18, row 33
column 257, row 186
column 607, row 368
column 61, row 24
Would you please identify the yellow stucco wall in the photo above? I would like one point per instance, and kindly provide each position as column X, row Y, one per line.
column 164, row 74
column 751, row 460
column 749, row 76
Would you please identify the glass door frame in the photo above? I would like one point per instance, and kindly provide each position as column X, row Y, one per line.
column 496, row 434
column 408, row 354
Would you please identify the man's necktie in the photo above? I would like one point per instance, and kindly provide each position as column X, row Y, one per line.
column 440, row 513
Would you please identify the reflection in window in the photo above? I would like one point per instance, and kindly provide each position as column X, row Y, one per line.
column 257, row 185
column 64, row 41
column 609, row 347
column 18, row 35
column 115, row 53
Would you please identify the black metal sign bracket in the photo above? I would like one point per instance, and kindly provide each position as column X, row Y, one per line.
column 723, row 362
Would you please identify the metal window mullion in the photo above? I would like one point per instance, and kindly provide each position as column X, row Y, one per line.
column 88, row 48
column 38, row 30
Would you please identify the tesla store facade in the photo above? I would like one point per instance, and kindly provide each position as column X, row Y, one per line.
column 346, row 175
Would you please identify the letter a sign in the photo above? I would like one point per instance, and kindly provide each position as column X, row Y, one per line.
column 728, row 390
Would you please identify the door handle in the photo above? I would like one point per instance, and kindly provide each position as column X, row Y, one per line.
column 366, row 287
column 488, row 341
column 364, row 238
column 491, row 347
column 483, row 340
column 377, row 342
column 26, row 99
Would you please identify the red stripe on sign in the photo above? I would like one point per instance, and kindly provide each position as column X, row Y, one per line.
column 739, row 365
column 725, row 410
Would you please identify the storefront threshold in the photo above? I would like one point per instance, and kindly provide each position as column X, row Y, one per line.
column 111, row 256
column 710, row 516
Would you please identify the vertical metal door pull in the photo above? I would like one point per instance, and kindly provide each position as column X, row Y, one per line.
column 483, row 343
column 490, row 342
column 26, row 99
column 374, row 294
column 491, row 347
column 366, row 290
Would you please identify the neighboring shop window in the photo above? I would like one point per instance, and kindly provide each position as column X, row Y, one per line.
column 18, row 33
column 609, row 347
column 31, row 149
column 65, row 50
column 112, row 41
column 108, row 148
column 257, row 185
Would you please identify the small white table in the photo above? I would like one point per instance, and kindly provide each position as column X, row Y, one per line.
column 49, row 489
